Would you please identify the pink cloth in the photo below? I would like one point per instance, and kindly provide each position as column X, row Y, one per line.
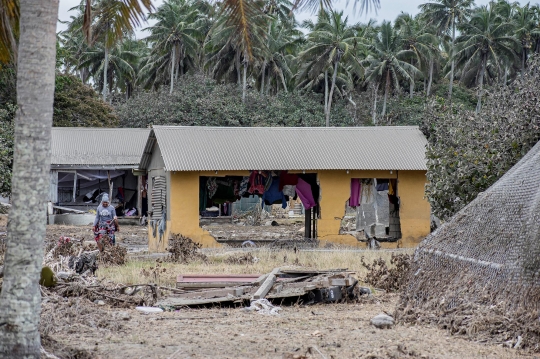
column 303, row 189
column 356, row 187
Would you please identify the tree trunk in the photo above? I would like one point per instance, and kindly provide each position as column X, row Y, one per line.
column 20, row 296
column 481, row 84
column 505, row 76
column 325, row 92
column 173, row 63
column 430, row 77
column 523, row 60
column 386, row 89
column 411, row 87
column 375, row 91
column 244, row 83
column 331, row 94
column 105, row 68
column 262, row 81
column 452, row 58
column 283, row 81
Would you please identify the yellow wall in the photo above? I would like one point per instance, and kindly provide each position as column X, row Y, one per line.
column 335, row 190
column 414, row 211
column 183, row 212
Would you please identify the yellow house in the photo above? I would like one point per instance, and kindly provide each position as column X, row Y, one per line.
column 179, row 159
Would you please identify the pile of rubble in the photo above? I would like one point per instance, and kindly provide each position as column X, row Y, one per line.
column 293, row 285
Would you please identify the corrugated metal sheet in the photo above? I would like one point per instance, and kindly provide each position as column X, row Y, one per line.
column 289, row 148
column 76, row 146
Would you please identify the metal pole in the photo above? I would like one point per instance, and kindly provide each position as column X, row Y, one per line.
column 307, row 223
column 74, row 186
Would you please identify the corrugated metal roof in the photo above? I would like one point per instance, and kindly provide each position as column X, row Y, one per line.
column 108, row 147
column 288, row 148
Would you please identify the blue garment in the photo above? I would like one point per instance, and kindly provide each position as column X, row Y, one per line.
column 273, row 194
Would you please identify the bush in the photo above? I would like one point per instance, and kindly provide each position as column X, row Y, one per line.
column 200, row 101
column 468, row 152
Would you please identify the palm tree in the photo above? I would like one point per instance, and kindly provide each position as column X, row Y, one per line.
column 9, row 30
column 20, row 295
column 331, row 42
column 526, row 26
column 237, row 31
column 445, row 15
column 178, row 32
column 113, row 20
column 119, row 70
column 486, row 37
column 388, row 61
column 283, row 41
column 416, row 36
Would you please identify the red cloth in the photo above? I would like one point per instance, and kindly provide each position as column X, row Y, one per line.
column 287, row 179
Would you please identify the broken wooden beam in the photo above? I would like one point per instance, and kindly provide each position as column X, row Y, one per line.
column 267, row 285
column 207, row 294
column 69, row 209
column 215, row 280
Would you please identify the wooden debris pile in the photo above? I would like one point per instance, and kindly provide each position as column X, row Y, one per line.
column 389, row 278
column 280, row 285
column 184, row 250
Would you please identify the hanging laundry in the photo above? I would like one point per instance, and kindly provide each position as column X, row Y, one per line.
column 382, row 184
column 273, row 195
column 354, row 199
column 289, row 190
column 392, row 187
column 243, row 186
column 212, row 186
column 256, row 183
column 287, row 179
column 303, row 189
column 368, row 192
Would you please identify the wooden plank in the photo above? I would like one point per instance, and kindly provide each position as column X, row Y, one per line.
column 314, row 272
column 181, row 302
column 207, row 294
column 69, row 209
column 267, row 285
column 200, row 285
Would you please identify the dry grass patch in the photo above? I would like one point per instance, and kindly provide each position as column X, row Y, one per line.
column 165, row 273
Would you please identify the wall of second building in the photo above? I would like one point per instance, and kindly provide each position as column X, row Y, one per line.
column 414, row 208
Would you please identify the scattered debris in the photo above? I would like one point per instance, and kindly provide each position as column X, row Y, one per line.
column 389, row 279
column 113, row 255
column 241, row 258
column 149, row 309
column 382, row 321
column 262, row 306
column 299, row 285
column 184, row 250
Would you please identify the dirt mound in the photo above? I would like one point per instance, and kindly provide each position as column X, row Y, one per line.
column 52, row 347
column 391, row 279
column 184, row 250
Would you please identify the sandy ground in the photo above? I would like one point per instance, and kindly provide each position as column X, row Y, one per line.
column 336, row 330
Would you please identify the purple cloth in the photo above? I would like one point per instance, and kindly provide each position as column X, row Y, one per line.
column 303, row 189
column 354, row 200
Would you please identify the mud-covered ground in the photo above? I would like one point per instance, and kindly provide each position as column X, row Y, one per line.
column 78, row 328
column 331, row 331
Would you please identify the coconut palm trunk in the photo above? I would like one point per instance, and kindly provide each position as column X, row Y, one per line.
column 481, row 83
column 430, row 81
column 374, row 114
column 173, row 66
column 262, row 80
column 386, row 90
column 325, row 92
column 244, row 83
column 105, row 68
column 331, row 94
column 20, row 296
column 452, row 57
